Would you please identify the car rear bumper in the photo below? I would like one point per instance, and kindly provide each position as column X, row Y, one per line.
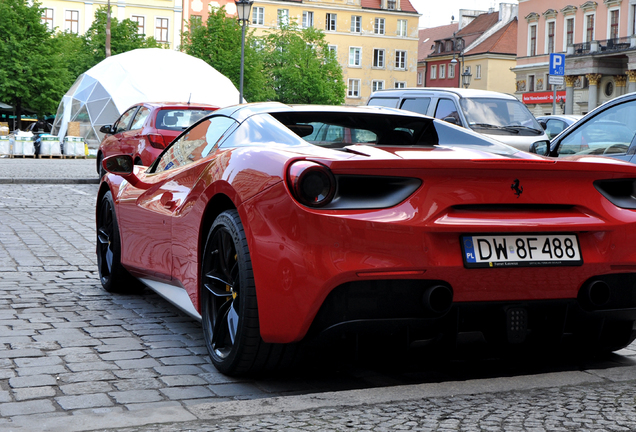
column 300, row 256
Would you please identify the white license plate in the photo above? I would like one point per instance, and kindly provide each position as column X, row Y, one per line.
column 521, row 250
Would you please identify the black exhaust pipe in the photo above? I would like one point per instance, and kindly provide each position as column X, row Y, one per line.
column 595, row 294
column 437, row 299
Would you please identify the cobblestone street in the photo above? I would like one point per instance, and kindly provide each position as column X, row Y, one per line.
column 74, row 357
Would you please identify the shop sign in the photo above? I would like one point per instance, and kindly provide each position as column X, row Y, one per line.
column 542, row 97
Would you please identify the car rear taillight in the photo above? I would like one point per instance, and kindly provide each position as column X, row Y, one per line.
column 312, row 184
column 156, row 140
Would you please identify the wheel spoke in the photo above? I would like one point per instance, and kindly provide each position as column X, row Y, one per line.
column 218, row 287
column 232, row 321
column 220, row 322
column 109, row 259
column 103, row 236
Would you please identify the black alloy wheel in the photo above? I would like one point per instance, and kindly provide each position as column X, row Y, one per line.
column 229, row 309
column 113, row 276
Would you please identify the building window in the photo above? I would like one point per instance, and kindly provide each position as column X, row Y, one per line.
column 569, row 33
column 401, row 28
column 451, row 70
column 400, row 84
column 390, row 4
column 141, row 23
column 589, row 28
column 308, row 19
column 71, row 21
column 330, row 22
column 530, row 83
column 282, row 17
column 478, row 72
column 419, row 77
column 550, row 37
column 161, row 29
column 400, row 59
column 613, row 33
column 434, row 72
column 353, row 90
column 442, row 71
column 378, row 27
column 354, row 56
column 334, row 50
column 532, row 40
column 378, row 58
column 377, row 85
column 258, row 15
column 356, row 24
column 47, row 18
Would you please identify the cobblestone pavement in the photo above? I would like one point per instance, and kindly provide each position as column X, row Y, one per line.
column 33, row 170
column 74, row 358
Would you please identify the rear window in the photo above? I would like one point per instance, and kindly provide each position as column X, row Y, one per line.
column 384, row 102
column 178, row 119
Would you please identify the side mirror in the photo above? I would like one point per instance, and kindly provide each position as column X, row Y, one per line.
column 106, row 129
column 452, row 120
column 122, row 165
column 541, row 148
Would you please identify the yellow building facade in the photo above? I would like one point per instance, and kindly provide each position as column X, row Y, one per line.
column 376, row 46
column 492, row 72
column 161, row 19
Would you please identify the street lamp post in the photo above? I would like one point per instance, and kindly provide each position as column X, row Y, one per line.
column 243, row 9
column 465, row 75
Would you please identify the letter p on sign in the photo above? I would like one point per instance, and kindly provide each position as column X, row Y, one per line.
column 557, row 64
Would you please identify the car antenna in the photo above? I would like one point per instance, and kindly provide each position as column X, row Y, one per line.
column 189, row 97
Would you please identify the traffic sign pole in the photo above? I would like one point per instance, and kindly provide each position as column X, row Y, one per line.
column 556, row 75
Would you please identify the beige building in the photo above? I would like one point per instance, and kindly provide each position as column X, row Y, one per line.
column 375, row 40
column 162, row 19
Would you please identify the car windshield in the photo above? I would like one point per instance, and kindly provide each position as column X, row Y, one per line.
column 179, row 119
column 506, row 115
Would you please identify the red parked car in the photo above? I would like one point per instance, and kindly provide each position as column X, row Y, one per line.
column 145, row 129
column 417, row 230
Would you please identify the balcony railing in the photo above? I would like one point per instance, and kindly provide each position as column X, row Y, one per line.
column 603, row 46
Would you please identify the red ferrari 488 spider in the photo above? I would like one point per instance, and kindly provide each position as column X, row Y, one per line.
column 274, row 224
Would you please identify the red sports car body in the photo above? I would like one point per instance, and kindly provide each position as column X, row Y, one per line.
column 145, row 129
column 270, row 239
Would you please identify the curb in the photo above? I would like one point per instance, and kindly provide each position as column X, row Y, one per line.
column 48, row 181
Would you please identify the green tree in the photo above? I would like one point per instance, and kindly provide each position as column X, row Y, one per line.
column 124, row 38
column 302, row 66
column 30, row 76
column 218, row 43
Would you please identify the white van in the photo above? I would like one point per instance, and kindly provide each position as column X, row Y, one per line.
column 497, row 115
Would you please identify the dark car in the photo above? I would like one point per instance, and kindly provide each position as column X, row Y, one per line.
column 145, row 129
column 557, row 123
column 608, row 130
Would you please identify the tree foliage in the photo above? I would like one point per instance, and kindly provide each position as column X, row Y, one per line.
column 302, row 66
column 289, row 65
column 30, row 76
column 124, row 38
column 218, row 43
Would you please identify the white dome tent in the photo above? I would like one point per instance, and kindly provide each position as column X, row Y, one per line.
column 101, row 94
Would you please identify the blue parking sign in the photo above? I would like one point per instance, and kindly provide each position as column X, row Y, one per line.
column 557, row 64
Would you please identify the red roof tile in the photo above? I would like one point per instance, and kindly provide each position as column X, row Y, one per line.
column 480, row 24
column 405, row 5
column 504, row 41
column 428, row 36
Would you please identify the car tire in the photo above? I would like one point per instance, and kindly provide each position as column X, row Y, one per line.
column 229, row 308
column 113, row 276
